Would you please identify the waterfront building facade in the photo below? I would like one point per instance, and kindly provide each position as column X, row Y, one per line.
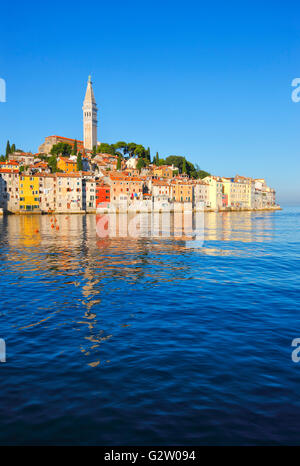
column 9, row 190
column 161, row 190
column 182, row 191
column 29, row 193
column 90, row 194
column 47, row 192
column 69, row 196
column 215, row 191
column 201, row 194
column 124, row 188
column 102, row 193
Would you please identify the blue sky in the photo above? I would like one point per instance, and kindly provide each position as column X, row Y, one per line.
column 208, row 80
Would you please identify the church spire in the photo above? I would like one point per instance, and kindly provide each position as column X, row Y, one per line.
column 89, row 117
column 89, row 95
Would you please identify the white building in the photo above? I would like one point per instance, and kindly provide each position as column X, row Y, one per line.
column 9, row 190
column 201, row 194
column 90, row 198
column 70, row 195
column 131, row 163
column 215, row 191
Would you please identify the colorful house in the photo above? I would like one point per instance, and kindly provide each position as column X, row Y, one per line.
column 66, row 165
column 102, row 193
column 164, row 171
column 29, row 193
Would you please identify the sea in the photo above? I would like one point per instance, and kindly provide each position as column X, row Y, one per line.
column 152, row 338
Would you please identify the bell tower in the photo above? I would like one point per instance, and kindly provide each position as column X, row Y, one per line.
column 89, row 118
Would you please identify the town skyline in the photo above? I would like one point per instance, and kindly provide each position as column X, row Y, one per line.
column 86, row 176
column 224, row 104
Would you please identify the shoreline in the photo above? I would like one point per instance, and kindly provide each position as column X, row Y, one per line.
column 107, row 211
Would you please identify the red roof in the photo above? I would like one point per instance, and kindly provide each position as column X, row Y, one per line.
column 7, row 170
column 10, row 162
column 66, row 139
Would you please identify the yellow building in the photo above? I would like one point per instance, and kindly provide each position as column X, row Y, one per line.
column 29, row 193
column 182, row 192
column 66, row 165
column 164, row 171
column 215, row 192
column 239, row 191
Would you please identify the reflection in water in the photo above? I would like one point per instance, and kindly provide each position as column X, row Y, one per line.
column 73, row 248
column 86, row 261
column 104, row 329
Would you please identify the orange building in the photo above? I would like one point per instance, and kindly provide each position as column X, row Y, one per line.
column 182, row 191
column 124, row 187
column 66, row 165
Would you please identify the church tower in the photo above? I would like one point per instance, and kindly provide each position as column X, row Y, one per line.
column 89, row 118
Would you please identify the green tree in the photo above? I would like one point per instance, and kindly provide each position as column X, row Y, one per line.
column 79, row 162
column 13, row 148
column 74, row 151
column 105, row 148
column 148, row 154
column 202, row 174
column 52, row 163
column 156, row 159
column 121, row 146
column 184, row 169
column 61, row 148
column 140, row 151
column 140, row 164
column 131, row 148
column 94, row 151
column 119, row 162
column 8, row 150
column 21, row 169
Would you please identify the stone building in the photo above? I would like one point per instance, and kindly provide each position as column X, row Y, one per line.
column 69, row 193
column 9, row 190
column 216, row 193
column 124, row 188
column 89, row 117
column 201, row 194
column 182, row 191
column 50, row 141
column 24, row 158
column 238, row 191
column 90, row 190
column 47, row 192
column 161, row 190
column 29, row 197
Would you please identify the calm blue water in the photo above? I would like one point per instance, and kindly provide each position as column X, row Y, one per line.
column 149, row 341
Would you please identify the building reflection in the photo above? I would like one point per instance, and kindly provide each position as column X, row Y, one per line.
column 69, row 250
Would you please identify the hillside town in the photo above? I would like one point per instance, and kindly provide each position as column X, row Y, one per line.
column 72, row 176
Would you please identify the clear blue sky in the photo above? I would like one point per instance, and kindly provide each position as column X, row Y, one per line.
column 208, row 80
